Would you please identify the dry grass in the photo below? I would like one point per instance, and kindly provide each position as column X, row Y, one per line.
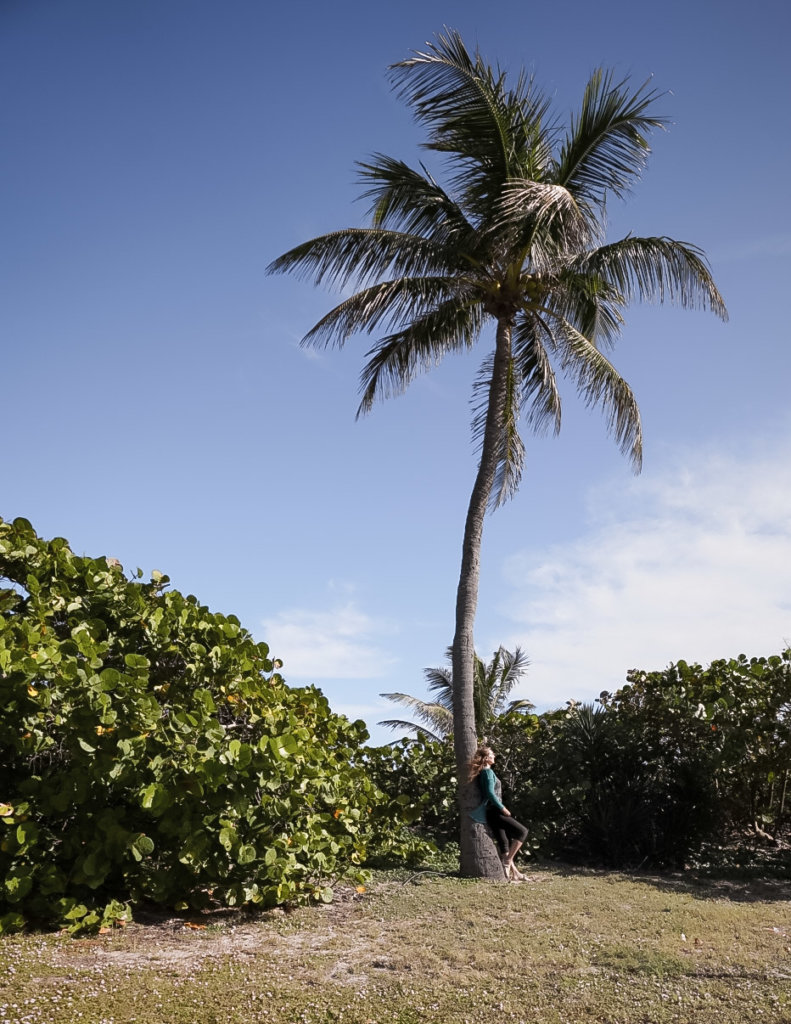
column 570, row 947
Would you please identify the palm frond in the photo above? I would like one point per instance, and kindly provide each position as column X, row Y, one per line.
column 362, row 255
column 529, row 211
column 434, row 715
column 396, row 359
column 492, row 682
column 520, row 706
column 606, row 147
column 534, row 131
column 540, row 396
column 440, row 683
column 388, row 303
column 511, row 451
column 591, row 303
column 655, row 269
column 418, row 731
column 587, row 727
column 514, row 665
column 471, row 115
column 458, row 98
column 505, row 671
column 599, row 383
column 405, row 199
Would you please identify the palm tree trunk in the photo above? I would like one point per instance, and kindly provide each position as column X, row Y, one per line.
column 478, row 855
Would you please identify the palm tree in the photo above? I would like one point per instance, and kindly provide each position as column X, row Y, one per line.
column 516, row 241
column 493, row 683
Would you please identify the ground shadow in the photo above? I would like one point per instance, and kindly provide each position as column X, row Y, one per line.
column 753, row 889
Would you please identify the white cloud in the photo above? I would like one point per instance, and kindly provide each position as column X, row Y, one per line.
column 339, row 643
column 692, row 563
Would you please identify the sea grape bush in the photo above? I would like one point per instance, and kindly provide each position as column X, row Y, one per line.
column 736, row 714
column 670, row 769
column 150, row 750
column 591, row 796
column 420, row 775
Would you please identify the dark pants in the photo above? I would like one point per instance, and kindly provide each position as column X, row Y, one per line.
column 505, row 828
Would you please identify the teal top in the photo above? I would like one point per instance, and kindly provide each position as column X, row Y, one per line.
column 490, row 791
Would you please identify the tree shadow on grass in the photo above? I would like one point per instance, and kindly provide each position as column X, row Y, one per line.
column 736, row 889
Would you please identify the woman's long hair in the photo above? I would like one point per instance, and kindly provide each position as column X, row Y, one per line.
column 477, row 762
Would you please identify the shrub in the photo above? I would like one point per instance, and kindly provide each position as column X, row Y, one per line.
column 420, row 776
column 721, row 734
column 665, row 771
column 150, row 750
column 592, row 793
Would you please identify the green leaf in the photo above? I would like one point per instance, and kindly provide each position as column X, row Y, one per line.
column 205, row 698
column 137, row 661
column 26, row 833
column 18, row 886
column 148, row 796
column 283, row 746
column 110, row 678
column 144, row 844
column 155, row 798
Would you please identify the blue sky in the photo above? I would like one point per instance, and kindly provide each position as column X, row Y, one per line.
column 157, row 406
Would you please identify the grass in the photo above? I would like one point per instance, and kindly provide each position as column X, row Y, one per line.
column 570, row 947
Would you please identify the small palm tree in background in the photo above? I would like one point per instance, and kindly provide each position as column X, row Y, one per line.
column 493, row 683
column 514, row 251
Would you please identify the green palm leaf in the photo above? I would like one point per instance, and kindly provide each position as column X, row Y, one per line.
column 540, row 395
column 506, row 670
column 494, row 681
column 438, row 719
column 511, row 450
column 396, row 359
column 387, row 304
column 362, row 255
column 599, row 383
column 460, row 100
column 418, row 731
column 489, row 132
column 606, row 147
column 413, row 202
column 440, row 683
column 591, row 303
column 654, row 269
